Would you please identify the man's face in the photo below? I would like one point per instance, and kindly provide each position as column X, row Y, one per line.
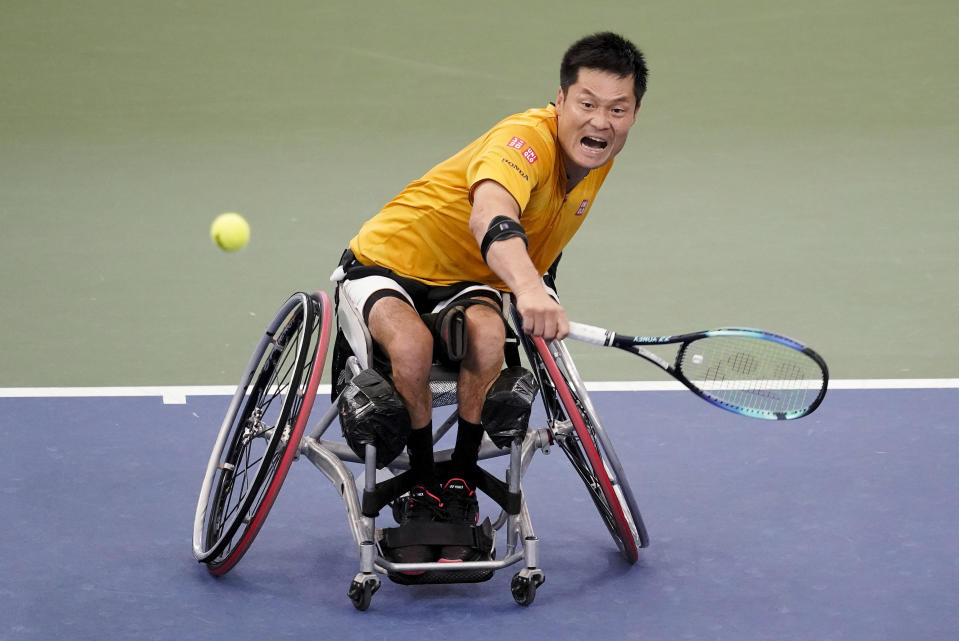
column 593, row 119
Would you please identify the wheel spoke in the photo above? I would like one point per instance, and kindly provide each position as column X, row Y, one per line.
column 265, row 420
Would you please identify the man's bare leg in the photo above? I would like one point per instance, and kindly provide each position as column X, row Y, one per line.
column 400, row 332
column 478, row 370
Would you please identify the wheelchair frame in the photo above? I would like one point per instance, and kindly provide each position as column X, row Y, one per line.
column 264, row 431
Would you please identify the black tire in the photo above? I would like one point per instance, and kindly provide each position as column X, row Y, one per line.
column 262, row 430
column 361, row 593
column 524, row 589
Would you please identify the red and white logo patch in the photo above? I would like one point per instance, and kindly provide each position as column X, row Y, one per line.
column 582, row 208
column 516, row 143
column 530, row 155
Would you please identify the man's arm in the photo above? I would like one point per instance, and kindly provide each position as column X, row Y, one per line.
column 542, row 315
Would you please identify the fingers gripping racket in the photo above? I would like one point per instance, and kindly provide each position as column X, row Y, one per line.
column 747, row 371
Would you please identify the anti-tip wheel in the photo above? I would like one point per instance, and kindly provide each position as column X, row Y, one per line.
column 524, row 587
column 362, row 590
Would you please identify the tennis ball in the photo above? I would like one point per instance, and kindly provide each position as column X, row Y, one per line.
column 230, row 232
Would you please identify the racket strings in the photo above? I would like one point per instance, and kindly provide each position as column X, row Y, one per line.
column 752, row 375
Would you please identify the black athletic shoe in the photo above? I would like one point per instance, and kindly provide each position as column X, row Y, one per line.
column 421, row 504
column 460, row 502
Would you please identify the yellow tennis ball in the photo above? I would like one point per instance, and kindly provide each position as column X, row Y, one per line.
column 230, row 232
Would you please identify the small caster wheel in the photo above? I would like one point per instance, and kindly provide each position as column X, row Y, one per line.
column 524, row 587
column 362, row 590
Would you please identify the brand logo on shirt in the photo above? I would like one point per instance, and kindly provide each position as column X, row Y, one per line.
column 517, row 168
column 516, row 143
column 582, row 208
column 530, row 155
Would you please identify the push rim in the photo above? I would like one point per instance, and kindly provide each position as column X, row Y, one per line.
column 588, row 462
column 268, row 414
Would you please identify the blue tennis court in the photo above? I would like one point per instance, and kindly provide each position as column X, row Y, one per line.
column 837, row 526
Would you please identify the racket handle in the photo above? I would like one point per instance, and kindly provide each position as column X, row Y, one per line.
column 590, row 334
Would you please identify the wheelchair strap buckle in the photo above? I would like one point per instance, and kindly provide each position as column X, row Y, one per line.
column 448, row 326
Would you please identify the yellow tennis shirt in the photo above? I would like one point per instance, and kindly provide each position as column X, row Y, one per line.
column 424, row 232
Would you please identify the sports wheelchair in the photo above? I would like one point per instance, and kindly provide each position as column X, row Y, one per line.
column 265, row 431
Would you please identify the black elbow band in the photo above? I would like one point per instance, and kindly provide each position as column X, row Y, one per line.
column 501, row 228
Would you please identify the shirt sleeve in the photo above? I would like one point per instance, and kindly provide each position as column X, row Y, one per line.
column 516, row 157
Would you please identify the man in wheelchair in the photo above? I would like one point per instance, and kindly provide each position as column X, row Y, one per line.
column 428, row 272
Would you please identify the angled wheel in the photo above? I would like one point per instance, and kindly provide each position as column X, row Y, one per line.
column 261, row 432
column 362, row 589
column 523, row 586
column 588, row 446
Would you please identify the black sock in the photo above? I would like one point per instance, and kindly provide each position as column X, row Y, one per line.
column 420, row 448
column 469, row 436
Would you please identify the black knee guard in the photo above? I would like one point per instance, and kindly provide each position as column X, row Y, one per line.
column 508, row 405
column 371, row 412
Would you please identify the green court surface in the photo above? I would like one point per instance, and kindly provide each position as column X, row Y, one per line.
column 794, row 167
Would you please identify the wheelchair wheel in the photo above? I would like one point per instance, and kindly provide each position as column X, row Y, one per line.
column 261, row 432
column 589, row 449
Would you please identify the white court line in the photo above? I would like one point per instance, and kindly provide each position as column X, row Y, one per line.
column 171, row 395
column 177, row 394
column 846, row 384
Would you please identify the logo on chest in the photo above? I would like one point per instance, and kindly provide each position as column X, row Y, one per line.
column 583, row 206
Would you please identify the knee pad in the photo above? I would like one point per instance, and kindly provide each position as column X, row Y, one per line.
column 372, row 413
column 508, row 405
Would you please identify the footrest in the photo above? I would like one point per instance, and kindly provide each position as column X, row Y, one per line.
column 443, row 576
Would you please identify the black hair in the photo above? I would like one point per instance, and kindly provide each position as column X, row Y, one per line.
column 605, row 51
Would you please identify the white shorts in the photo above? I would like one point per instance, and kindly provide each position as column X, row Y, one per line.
column 363, row 289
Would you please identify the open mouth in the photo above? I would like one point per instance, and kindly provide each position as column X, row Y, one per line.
column 593, row 143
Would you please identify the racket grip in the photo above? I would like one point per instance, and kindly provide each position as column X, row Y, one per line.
column 590, row 334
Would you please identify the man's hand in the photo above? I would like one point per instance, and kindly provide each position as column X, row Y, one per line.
column 542, row 315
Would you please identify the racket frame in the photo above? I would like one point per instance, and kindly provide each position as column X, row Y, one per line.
column 635, row 345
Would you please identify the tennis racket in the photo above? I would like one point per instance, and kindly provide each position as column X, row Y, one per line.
column 747, row 371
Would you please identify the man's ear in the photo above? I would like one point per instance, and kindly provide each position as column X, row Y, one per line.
column 560, row 97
